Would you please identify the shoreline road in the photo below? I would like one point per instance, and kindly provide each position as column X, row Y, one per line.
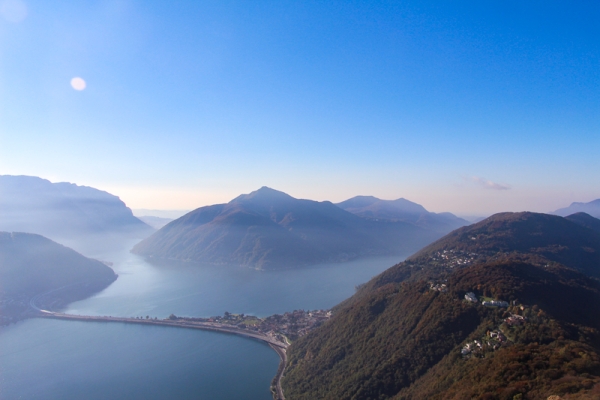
column 279, row 347
column 278, row 395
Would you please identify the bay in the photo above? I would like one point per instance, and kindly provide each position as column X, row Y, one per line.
column 51, row 359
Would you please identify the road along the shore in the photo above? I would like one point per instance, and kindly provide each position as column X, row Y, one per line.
column 279, row 347
column 278, row 395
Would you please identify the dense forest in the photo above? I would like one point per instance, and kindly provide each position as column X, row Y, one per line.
column 410, row 333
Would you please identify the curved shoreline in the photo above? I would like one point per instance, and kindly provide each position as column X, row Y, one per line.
column 278, row 394
column 279, row 347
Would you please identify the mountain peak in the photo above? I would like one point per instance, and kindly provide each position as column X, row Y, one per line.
column 358, row 202
column 263, row 194
column 586, row 220
column 401, row 209
column 270, row 229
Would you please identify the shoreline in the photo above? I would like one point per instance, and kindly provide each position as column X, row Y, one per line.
column 277, row 346
column 278, row 393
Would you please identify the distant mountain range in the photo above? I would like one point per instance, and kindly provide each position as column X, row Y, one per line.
column 401, row 210
column 270, row 229
column 64, row 211
column 31, row 265
column 411, row 332
column 592, row 208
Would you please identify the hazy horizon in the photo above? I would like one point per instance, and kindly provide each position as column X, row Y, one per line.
column 467, row 107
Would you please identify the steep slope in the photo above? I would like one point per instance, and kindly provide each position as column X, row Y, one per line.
column 586, row 220
column 63, row 210
column 31, row 265
column 592, row 208
column 401, row 210
column 270, row 229
column 404, row 335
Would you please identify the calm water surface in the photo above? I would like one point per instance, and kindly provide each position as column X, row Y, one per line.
column 51, row 359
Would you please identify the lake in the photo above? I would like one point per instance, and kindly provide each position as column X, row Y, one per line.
column 52, row 359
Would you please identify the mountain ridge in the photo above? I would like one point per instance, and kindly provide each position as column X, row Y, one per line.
column 271, row 229
column 592, row 208
column 401, row 210
column 65, row 212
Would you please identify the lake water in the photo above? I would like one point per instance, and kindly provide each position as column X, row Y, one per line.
column 52, row 359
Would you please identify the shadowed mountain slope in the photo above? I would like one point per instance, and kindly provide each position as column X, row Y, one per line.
column 405, row 336
column 552, row 237
column 586, row 220
column 592, row 208
column 401, row 210
column 270, row 229
column 64, row 211
column 32, row 264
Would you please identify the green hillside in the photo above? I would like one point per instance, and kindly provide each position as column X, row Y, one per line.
column 404, row 334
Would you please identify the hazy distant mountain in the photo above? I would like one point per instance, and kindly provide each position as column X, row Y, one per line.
column 155, row 222
column 31, row 265
column 63, row 211
column 592, row 208
column 270, row 229
column 401, row 210
column 410, row 333
column 170, row 214
column 586, row 220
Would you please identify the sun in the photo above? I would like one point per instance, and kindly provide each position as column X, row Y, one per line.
column 78, row 83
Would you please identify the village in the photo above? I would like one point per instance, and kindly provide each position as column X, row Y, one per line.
column 492, row 341
column 494, row 338
column 454, row 258
column 287, row 327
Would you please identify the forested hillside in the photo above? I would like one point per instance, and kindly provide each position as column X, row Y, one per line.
column 411, row 333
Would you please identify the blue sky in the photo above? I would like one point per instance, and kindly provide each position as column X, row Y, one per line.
column 470, row 107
